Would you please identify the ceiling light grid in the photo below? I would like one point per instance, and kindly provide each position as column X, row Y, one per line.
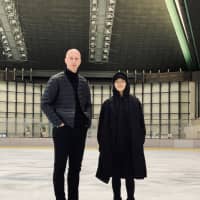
column 11, row 30
column 93, row 29
column 110, row 12
column 101, row 23
column 5, row 44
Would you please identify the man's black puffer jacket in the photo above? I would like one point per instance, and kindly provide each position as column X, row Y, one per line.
column 58, row 100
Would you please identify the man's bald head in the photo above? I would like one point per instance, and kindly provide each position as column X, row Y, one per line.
column 73, row 59
column 69, row 51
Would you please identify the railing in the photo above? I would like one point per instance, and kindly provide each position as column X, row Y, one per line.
column 27, row 129
column 12, row 127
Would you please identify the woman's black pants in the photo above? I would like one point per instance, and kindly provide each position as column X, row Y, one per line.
column 69, row 146
column 130, row 188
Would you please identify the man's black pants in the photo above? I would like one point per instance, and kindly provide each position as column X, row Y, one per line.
column 69, row 145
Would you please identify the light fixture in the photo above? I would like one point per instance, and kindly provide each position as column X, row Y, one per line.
column 107, row 31
column 110, row 9
column 93, row 28
column 3, row 37
column 91, row 56
column 94, row 17
column 23, row 55
column 19, row 42
column 16, row 30
column 11, row 35
column 7, row 1
column 112, row 2
column 92, row 50
column 7, row 49
column 1, row 30
column 109, row 15
column 105, row 51
column 9, row 55
column 92, row 44
column 106, row 44
column 94, row 2
column 17, row 37
column 21, row 49
column 13, row 22
column 101, row 23
column 5, row 42
column 92, row 38
column 93, row 22
column 107, row 38
column 94, row 9
column 105, row 57
column 11, row 15
column 9, row 8
column 108, row 24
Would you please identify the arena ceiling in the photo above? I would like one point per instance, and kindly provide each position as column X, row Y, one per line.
column 143, row 36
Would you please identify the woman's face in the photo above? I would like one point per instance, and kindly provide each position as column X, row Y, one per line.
column 120, row 84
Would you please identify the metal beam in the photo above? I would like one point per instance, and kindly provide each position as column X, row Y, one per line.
column 138, row 76
column 178, row 27
column 192, row 34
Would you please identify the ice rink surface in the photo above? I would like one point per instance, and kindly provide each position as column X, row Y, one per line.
column 26, row 174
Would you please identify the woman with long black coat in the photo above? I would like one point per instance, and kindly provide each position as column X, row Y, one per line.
column 121, row 135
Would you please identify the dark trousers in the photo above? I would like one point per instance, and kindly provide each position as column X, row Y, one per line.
column 130, row 188
column 69, row 146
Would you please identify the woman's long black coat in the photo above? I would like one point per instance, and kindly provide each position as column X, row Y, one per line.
column 104, row 137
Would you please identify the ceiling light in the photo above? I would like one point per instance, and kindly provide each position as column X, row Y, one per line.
column 3, row 37
column 92, row 44
column 11, row 15
column 108, row 23
column 7, row 49
column 91, row 56
column 106, row 44
column 1, row 30
column 107, row 38
column 9, row 55
column 94, row 9
column 5, row 42
column 92, row 50
column 109, row 15
column 9, row 8
column 111, row 9
column 7, row 1
column 112, row 1
column 23, row 55
column 107, row 31
column 93, row 29
column 94, row 2
column 17, row 37
column 94, row 17
column 13, row 21
column 21, row 49
column 93, row 22
column 105, row 50
column 101, row 22
column 105, row 57
column 10, row 32
column 92, row 38
column 19, row 42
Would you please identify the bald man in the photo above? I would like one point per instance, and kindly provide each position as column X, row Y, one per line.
column 67, row 104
